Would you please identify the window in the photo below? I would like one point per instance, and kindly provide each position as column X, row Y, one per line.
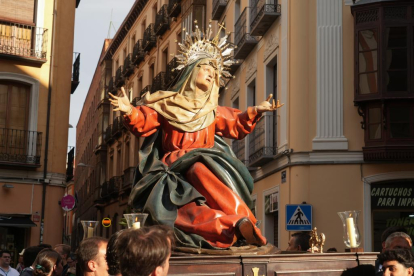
column 193, row 10
column 164, row 60
column 151, row 73
column 14, row 105
column 368, row 61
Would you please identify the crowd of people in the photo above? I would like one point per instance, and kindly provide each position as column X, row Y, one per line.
column 150, row 247
column 146, row 251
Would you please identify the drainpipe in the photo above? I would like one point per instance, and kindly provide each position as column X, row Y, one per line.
column 49, row 98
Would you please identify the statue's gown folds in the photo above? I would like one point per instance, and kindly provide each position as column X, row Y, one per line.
column 191, row 180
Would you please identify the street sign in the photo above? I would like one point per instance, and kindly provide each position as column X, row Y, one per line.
column 298, row 217
column 67, row 203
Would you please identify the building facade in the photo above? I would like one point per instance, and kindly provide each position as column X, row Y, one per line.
column 342, row 141
column 36, row 81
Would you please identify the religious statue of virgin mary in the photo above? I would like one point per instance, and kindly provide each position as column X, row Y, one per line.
column 187, row 176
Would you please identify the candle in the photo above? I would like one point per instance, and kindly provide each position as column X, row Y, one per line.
column 351, row 232
column 90, row 231
column 136, row 224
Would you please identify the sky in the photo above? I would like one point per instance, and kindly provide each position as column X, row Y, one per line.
column 91, row 28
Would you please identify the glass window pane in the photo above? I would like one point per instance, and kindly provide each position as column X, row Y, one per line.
column 400, row 130
column 399, row 114
column 396, row 37
column 368, row 83
column 368, row 61
column 396, row 80
column 367, row 40
column 374, row 115
column 3, row 105
column 375, row 131
column 396, row 59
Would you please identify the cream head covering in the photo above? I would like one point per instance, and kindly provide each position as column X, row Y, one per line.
column 186, row 109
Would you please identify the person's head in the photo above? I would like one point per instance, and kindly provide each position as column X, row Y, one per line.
column 331, row 250
column 64, row 251
column 150, row 247
column 45, row 245
column 399, row 262
column 48, row 262
column 112, row 254
column 5, row 258
column 299, row 242
column 30, row 254
column 91, row 256
column 398, row 240
column 389, row 231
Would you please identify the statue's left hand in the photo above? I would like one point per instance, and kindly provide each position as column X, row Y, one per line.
column 268, row 105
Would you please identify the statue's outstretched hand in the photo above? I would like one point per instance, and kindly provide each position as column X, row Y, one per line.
column 121, row 103
column 268, row 105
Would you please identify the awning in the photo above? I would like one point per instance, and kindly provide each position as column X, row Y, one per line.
column 16, row 221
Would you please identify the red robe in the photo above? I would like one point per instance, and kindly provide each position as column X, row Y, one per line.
column 214, row 221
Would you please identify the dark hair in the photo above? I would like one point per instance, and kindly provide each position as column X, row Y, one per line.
column 360, row 270
column 4, row 251
column 87, row 250
column 391, row 230
column 30, row 254
column 65, row 249
column 45, row 261
column 403, row 256
column 112, row 254
column 302, row 239
column 142, row 250
column 331, row 250
column 45, row 245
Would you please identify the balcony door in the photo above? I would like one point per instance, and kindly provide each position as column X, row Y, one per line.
column 14, row 110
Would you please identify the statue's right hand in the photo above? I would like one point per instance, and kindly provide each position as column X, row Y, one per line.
column 121, row 103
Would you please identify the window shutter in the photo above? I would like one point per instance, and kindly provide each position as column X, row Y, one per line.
column 20, row 11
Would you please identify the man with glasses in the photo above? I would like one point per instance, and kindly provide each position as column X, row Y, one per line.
column 5, row 268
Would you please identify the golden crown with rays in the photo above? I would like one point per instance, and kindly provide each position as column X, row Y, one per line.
column 201, row 45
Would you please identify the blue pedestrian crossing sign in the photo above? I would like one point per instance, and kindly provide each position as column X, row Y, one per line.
column 298, row 217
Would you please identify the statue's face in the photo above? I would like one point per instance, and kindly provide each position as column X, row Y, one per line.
column 205, row 77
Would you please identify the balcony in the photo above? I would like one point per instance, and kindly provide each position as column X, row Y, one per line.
column 174, row 8
column 23, row 42
column 171, row 73
column 244, row 41
column 20, row 147
column 111, row 88
column 162, row 21
column 138, row 54
column 219, row 6
column 75, row 72
column 149, row 39
column 135, row 101
column 128, row 180
column 108, row 135
column 119, row 78
column 159, row 82
column 145, row 90
column 263, row 14
column 128, row 68
column 239, row 149
column 233, row 68
column 104, row 190
column 114, row 184
column 117, row 127
column 262, row 141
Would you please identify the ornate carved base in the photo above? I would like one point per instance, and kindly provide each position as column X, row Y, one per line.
column 241, row 250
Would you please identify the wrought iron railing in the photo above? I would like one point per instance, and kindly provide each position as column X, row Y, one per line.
column 128, row 178
column 149, row 39
column 111, row 86
column 159, row 82
column 20, row 146
column 117, row 126
column 241, row 31
column 262, row 141
column 218, row 6
column 147, row 89
column 239, row 150
column 128, row 67
column 119, row 78
column 23, row 40
column 114, row 184
column 162, row 20
column 104, row 189
column 260, row 7
column 108, row 134
column 69, row 164
column 138, row 54
column 171, row 73
column 174, row 8
column 75, row 72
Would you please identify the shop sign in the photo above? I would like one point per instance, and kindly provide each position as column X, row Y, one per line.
column 67, row 203
column 36, row 217
column 397, row 195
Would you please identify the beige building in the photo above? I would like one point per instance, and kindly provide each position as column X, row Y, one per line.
column 344, row 140
column 38, row 73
